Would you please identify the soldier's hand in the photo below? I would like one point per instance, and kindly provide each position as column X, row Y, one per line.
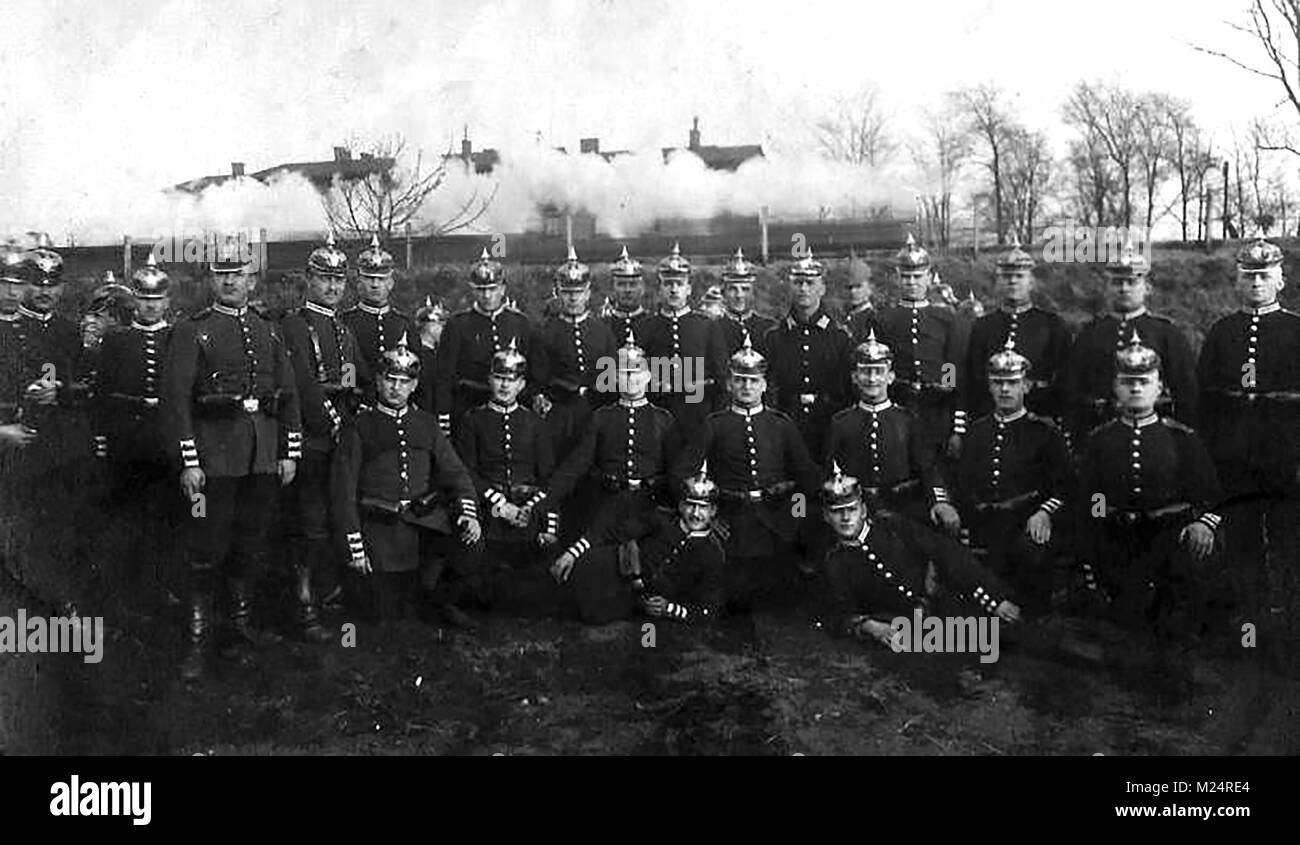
column 1008, row 611
column 954, row 446
column 16, row 435
column 1198, row 539
column 546, row 539
column 945, row 516
column 43, row 391
column 1039, row 528
column 541, row 405
column 360, row 564
column 288, row 469
column 192, row 481
column 563, row 567
column 509, row 512
column 874, row 629
column 470, row 530
column 655, row 605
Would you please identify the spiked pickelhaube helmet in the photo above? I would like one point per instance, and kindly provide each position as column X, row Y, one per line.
column 374, row 261
column 1015, row 258
column 840, row 490
column 872, row 353
column 485, row 272
column 632, row 358
column 1007, row 364
column 509, row 362
column 12, row 264
column 675, row 266
column 1129, row 262
column 328, row 260
column 739, row 270
column 626, row 267
column 400, row 360
column 150, row 282
column 1136, row 359
column 912, row 258
column 699, row 489
column 431, row 312
column 807, row 267
column 572, row 274
column 748, row 361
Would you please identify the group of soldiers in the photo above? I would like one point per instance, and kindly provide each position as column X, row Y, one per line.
column 680, row 462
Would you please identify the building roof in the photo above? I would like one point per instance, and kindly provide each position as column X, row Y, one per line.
column 322, row 173
column 720, row 158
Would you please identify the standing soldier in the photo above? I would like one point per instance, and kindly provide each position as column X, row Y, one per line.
column 760, row 462
column 430, row 320
column 1038, row 335
column 738, row 277
column 324, row 357
column 472, row 338
column 881, row 444
column 1250, row 380
column 626, row 313
column 13, row 287
column 375, row 324
column 809, row 353
column 627, row 450
column 860, row 316
column 927, row 351
column 572, row 347
column 232, row 411
column 711, row 303
column 1147, row 487
column 683, row 345
column 1090, row 372
column 507, row 449
column 1012, row 480
column 394, row 474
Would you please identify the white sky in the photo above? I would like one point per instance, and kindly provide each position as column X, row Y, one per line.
column 122, row 96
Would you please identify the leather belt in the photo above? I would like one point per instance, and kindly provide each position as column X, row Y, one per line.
column 900, row 487
column 759, row 495
column 1007, row 504
column 616, row 482
column 1127, row 517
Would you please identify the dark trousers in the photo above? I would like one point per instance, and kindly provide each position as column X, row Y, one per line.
column 504, row 575
column 999, row 538
column 317, row 548
column 1151, row 579
column 228, row 534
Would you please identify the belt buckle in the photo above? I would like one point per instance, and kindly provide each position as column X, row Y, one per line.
column 150, row 401
column 634, row 484
column 754, row 495
column 807, row 398
column 251, row 405
column 1129, row 517
column 404, row 505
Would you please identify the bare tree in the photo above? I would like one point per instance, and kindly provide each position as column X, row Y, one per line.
column 1095, row 185
column 857, row 132
column 1155, row 146
column 988, row 120
column 1190, row 161
column 1028, row 163
column 383, row 200
column 940, row 155
column 1108, row 116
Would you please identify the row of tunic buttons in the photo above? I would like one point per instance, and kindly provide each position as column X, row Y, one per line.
column 1137, row 461
column 150, row 364
column 249, row 352
column 577, row 343
column 889, row 576
column 753, row 449
column 1253, row 340
column 807, row 382
column 505, row 425
column 997, row 454
column 631, row 438
column 404, row 456
column 874, row 443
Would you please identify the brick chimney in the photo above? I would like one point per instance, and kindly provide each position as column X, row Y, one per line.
column 466, row 146
column 236, row 168
column 695, row 135
column 589, row 145
column 342, row 154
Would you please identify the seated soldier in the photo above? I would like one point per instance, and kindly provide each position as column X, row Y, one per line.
column 1012, row 479
column 391, row 465
column 878, row 570
column 670, row 568
column 508, row 451
column 882, row 444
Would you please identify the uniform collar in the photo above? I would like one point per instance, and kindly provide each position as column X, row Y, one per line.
column 377, row 311
column 319, row 309
column 748, row 412
column 228, row 311
column 575, row 320
column 1018, row 310
column 491, row 315
column 1261, row 311
column 858, row 309
column 396, row 413
column 628, row 403
column 914, row 303
column 628, row 315
column 687, row 533
column 664, row 312
column 35, row 315
column 818, row 319
column 877, row 408
column 503, row 409
column 739, row 318
column 860, row 540
column 1132, row 315
column 1009, row 419
column 1143, row 422
column 10, row 318
column 154, row 327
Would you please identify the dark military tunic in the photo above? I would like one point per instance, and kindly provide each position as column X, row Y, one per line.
column 127, row 407
column 1089, row 392
column 50, row 343
column 1154, row 477
column 690, row 389
column 684, row 567
column 1010, row 468
column 510, row 456
column 12, row 375
column 808, row 373
column 620, row 322
column 386, row 462
column 883, row 447
column 324, row 355
column 423, row 396
column 881, row 574
column 575, row 356
column 758, row 460
column 861, row 321
column 465, row 352
column 375, row 330
column 1040, row 336
column 734, row 328
column 928, row 358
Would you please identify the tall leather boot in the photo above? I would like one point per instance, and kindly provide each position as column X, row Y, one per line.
column 308, row 615
column 241, row 617
column 198, row 626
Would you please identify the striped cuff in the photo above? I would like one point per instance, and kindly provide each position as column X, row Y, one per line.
column 101, row 446
column 293, row 446
column 676, row 611
column 958, row 422
column 553, row 523
column 940, row 495
column 1051, row 506
column 1089, row 577
column 1210, row 520
column 496, row 499
column 444, row 423
column 190, row 454
column 579, row 548
column 355, row 546
column 985, row 600
column 333, row 414
column 468, row 507
column 536, row 499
